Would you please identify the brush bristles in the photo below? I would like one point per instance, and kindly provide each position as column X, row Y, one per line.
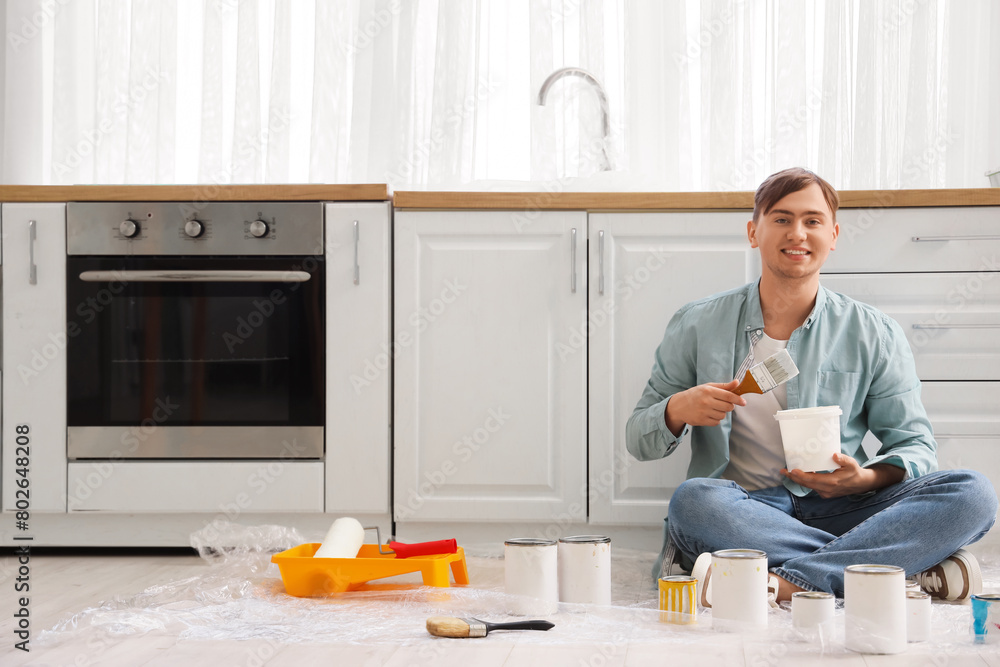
column 447, row 626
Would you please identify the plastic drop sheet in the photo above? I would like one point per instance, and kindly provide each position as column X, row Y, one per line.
column 239, row 595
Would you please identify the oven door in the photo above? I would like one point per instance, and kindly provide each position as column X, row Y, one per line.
column 195, row 358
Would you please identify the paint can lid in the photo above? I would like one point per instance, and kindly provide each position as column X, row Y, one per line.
column 739, row 553
column 870, row 568
column 585, row 539
column 812, row 595
column 529, row 542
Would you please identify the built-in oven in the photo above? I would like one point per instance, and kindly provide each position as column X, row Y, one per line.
column 195, row 331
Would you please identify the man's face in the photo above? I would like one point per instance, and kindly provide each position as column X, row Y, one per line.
column 796, row 235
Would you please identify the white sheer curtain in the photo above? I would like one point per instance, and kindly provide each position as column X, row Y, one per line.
column 869, row 93
column 703, row 94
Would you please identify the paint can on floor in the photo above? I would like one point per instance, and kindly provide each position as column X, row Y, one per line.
column 739, row 589
column 918, row 616
column 678, row 603
column 875, row 608
column 585, row 569
column 986, row 618
column 531, row 575
column 810, row 609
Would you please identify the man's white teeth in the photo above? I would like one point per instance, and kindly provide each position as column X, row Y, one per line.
column 796, row 252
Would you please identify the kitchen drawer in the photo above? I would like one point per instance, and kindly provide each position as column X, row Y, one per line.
column 952, row 320
column 963, row 408
column 227, row 488
column 971, row 453
column 881, row 240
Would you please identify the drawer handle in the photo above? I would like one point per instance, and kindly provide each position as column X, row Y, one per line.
column 921, row 239
column 600, row 262
column 572, row 260
column 357, row 269
column 32, row 237
column 956, row 326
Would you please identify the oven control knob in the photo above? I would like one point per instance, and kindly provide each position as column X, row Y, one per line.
column 258, row 228
column 129, row 228
column 193, row 228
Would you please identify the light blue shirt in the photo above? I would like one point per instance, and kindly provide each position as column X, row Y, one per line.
column 848, row 354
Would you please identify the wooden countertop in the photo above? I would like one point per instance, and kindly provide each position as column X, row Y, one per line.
column 617, row 201
column 196, row 193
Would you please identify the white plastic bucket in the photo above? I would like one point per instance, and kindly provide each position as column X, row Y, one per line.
column 810, row 436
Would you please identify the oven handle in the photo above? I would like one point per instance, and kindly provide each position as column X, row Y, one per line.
column 195, row 276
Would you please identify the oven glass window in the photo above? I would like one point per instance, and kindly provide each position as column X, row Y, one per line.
column 196, row 353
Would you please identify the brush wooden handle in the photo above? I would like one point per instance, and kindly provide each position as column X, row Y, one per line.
column 521, row 625
column 424, row 548
column 748, row 386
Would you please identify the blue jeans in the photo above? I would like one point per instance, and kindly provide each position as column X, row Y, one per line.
column 914, row 524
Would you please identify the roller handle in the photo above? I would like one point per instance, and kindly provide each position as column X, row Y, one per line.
column 424, row 548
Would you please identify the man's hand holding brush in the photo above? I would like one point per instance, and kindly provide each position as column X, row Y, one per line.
column 703, row 405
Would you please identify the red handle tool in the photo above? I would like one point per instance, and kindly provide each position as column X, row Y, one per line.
column 424, row 548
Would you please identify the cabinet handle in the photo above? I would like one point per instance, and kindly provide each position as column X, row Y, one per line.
column 600, row 262
column 357, row 269
column 956, row 326
column 32, row 269
column 921, row 239
column 572, row 260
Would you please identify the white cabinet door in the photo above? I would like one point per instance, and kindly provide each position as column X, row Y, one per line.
column 490, row 383
column 34, row 354
column 358, row 360
column 643, row 267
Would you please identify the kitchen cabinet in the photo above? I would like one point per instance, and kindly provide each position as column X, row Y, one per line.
column 34, row 356
column 643, row 267
column 359, row 358
column 935, row 271
column 490, row 380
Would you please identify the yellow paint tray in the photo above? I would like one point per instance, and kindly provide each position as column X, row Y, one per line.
column 305, row 576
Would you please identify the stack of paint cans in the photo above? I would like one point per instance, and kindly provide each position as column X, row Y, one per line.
column 541, row 573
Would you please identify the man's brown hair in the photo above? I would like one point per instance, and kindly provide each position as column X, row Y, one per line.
column 778, row 186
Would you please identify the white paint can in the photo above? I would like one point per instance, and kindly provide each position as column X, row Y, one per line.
column 875, row 608
column 739, row 589
column 811, row 609
column 918, row 616
column 585, row 569
column 531, row 575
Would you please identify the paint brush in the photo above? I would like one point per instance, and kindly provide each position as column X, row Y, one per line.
column 768, row 374
column 446, row 626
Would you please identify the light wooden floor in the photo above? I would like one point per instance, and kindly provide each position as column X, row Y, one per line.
column 66, row 583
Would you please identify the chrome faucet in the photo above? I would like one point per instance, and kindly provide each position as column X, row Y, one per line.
column 601, row 97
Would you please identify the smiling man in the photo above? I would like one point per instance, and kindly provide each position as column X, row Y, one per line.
column 887, row 507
